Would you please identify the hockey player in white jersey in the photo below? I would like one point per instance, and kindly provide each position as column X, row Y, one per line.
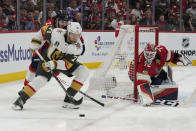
column 61, row 56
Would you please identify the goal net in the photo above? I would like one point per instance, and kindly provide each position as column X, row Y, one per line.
column 111, row 79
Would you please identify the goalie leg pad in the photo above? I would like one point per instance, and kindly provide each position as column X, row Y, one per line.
column 145, row 93
column 165, row 92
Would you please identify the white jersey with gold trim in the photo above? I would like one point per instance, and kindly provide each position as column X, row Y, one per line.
column 59, row 43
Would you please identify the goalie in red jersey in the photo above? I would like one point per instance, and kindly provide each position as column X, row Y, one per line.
column 150, row 69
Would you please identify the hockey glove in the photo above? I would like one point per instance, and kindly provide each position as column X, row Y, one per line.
column 50, row 65
column 185, row 60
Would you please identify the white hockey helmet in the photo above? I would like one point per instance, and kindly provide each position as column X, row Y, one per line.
column 150, row 52
column 74, row 27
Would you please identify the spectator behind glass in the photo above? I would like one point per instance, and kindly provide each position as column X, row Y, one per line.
column 23, row 18
column 98, row 4
column 96, row 24
column 3, row 20
column 95, row 17
column 161, row 23
column 192, row 9
column 184, row 5
column 148, row 3
column 188, row 23
column 122, row 8
column 30, row 5
column 48, row 15
column 137, row 11
column 77, row 17
column 148, row 8
column 114, row 4
column 118, row 20
column 173, row 2
column 72, row 9
column 133, row 20
column 86, row 14
column 37, row 25
column 50, row 9
column 110, row 11
column 9, row 11
column 189, row 3
column 30, row 21
column 107, row 24
column 8, row 7
column 175, row 10
column 172, row 22
column 161, row 7
column 147, row 20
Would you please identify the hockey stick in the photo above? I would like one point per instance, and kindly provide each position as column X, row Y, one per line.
column 57, row 79
column 161, row 102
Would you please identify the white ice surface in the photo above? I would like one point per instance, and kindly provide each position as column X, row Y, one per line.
column 44, row 112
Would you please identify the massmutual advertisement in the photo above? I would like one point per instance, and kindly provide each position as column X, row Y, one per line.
column 14, row 52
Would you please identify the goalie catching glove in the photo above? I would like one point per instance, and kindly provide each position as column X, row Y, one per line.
column 50, row 65
column 185, row 60
column 181, row 58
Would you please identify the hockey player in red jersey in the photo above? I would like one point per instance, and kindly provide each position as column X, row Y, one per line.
column 150, row 69
column 61, row 20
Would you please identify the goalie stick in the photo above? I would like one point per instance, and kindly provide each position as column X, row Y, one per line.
column 172, row 103
column 57, row 79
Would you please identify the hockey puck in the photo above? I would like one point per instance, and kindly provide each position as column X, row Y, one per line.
column 82, row 115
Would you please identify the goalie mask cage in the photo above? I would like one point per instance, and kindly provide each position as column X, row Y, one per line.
column 111, row 79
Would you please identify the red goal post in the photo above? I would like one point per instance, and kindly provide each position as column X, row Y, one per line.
column 138, row 29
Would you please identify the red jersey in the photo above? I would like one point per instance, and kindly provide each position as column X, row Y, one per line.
column 146, row 71
column 50, row 22
column 157, row 64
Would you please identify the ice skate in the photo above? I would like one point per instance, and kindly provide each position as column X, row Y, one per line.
column 71, row 103
column 18, row 104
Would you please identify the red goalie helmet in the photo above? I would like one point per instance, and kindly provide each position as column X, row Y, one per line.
column 149, row 52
